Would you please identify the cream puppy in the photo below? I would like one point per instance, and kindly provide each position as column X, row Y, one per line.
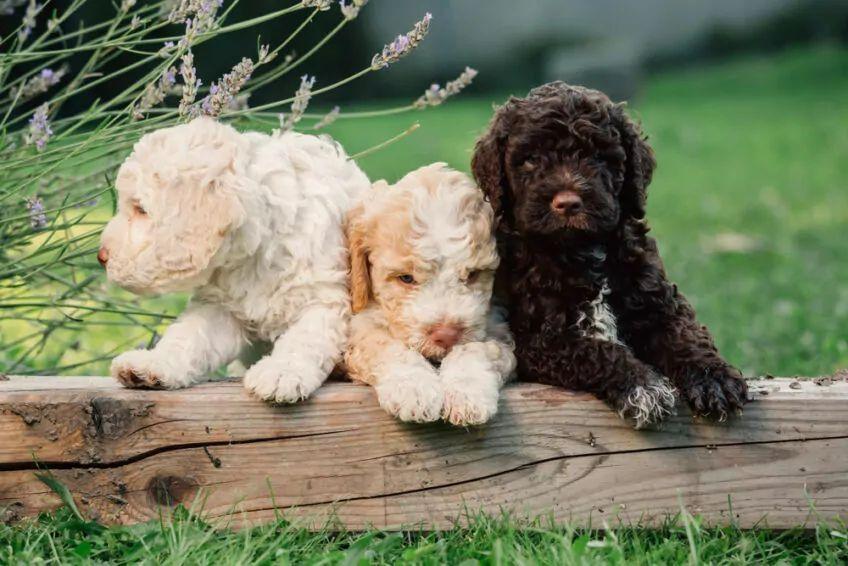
column 253, row 225
column 424, row 334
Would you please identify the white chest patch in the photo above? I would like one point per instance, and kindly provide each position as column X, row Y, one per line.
column 600, row 321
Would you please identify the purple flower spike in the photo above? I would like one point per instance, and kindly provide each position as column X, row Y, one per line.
column 402, row 44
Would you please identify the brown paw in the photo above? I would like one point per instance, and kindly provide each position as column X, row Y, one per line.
column 717, row 394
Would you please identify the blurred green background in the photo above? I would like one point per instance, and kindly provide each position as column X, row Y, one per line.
column 745, row 105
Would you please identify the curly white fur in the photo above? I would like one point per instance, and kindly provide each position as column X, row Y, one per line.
column 253, row 225
column 600, row 323
column 434, row 226
column 650, row 403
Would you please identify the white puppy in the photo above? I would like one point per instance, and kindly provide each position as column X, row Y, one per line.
column 423, row 259
column 252, row 224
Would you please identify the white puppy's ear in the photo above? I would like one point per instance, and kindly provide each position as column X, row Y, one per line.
column 360, row 278
column 209, row 213
column 203, row 205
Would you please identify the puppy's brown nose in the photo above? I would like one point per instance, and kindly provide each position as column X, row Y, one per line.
column 566, row 203
column 103, row 256
column 445, row 335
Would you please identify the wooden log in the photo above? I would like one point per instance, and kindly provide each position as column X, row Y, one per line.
column 133, row 455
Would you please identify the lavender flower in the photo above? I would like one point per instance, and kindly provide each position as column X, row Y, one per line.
column 190, row 84
column 155, row 93
column 222, row 92
column 350, row 11
column 7, row 7
column 265, row 55
column 322, row 5
column 198, row 15
column 328, row 118
column 127, row 5
column 203, row 10
column 299, row 104
column 38, row 84
column 135, row 21
column 165, row 50
column 39, row 128
column 435, row 95
column 35, row 207
column 402, row 44
column 28, row 23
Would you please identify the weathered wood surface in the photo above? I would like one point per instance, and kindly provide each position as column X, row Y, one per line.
column 130, row 455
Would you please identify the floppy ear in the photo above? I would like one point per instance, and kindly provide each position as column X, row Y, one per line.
column 360, row 278
column 202, row 207
column 194, row 229
column 488, row 165
column 638, row 168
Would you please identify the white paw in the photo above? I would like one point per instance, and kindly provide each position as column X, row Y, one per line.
column 468, row 405
column 472, row 386
column 650, row 403
column 284, row 378
column 411, row 394
column 148, row 369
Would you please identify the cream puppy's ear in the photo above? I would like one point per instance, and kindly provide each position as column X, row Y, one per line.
column 357, row 229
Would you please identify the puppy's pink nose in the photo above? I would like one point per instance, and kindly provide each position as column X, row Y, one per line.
column 566, row 203
column 103, row 256
column 445, row 335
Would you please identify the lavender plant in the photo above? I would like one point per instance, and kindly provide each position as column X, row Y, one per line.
column 57, row 315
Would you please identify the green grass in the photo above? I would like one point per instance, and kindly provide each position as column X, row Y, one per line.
column 749, row 204
column 62, row 539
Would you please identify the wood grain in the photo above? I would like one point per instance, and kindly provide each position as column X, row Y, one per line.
column 130, row 455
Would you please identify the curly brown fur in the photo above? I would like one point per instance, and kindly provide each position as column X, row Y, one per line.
column 590, row 305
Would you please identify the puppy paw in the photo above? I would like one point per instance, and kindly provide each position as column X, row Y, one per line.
column 469, row 404
column 649, row 402
column 283, row 378
column 716, row 394
column 144, row 369
column 411, row 394
column 471, row 387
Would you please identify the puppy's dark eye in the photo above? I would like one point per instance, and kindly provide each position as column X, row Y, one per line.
column 472, row 276
column 406, row 279
column 138, row 209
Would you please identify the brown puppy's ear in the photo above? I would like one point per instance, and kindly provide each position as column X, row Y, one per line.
column 488, row 165
column 360, row 278
column 639, row 165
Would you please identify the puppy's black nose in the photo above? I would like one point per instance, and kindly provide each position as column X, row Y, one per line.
column 566, row 203
column 103, row 256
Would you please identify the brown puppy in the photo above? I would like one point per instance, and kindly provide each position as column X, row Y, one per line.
column 567, row 173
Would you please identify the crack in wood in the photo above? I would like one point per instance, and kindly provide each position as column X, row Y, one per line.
column 534, row 463
column 63, row 465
